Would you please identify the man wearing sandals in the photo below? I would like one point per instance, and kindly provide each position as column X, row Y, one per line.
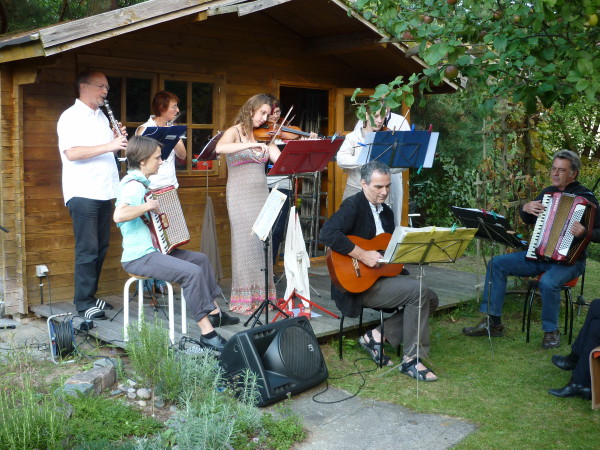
column 366, row 215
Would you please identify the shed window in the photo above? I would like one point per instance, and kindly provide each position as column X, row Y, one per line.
column 130, row 98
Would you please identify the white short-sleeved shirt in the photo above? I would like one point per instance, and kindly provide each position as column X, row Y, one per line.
column 95, row 178
column 166, row 175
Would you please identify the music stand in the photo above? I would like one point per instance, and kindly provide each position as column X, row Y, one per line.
column 494, row 228
column 400, row 148
column 428, row 245
column 305, row 156
column 262, row 228
column 167, row 136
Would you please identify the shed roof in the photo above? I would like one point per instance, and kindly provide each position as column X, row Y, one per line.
column 328, row 27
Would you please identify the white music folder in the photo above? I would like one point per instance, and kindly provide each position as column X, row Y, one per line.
column 268, row 214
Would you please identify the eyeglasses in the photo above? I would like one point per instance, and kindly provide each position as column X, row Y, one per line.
column 100, row 86
column 558, row 170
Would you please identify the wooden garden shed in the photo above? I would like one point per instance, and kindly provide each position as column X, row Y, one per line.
column 214, row 55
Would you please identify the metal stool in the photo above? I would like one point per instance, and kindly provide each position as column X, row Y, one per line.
column 140, row 280
column 569, row 307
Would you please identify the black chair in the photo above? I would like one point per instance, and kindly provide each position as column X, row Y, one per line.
column 569, row 306
column 381, row 312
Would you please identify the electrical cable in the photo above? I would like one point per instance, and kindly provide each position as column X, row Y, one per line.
column 359, row 372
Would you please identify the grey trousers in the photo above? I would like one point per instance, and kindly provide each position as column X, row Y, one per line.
column 191, row 270
column 401, row 328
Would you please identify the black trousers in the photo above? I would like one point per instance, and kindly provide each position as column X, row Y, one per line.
column 587, row 339
column 92, row 220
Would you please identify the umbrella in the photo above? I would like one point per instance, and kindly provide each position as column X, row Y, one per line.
column 208, row 242
column 296, row 261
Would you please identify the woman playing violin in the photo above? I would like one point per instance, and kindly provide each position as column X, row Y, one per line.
column 246, row 194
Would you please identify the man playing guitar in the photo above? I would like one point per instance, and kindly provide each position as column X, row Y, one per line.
column 365, row 215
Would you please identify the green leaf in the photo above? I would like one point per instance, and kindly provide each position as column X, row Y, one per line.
column 356, row 92
column 500, row 43
column 530, row 60
column 464, row 60
column 381, row 91
column 549, row 68
column 582, row 84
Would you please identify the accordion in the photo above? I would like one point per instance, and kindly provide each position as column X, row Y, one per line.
column 167, row 228
column 552, row 239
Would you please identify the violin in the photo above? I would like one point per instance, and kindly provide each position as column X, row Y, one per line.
column 266, row 132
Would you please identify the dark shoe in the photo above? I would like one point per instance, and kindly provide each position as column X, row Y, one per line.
column 373, row 348
column 573, row 390
column 481, row 329
column 93, row 313
column 221, row 319
column 101, row 304
column 216, row 343
column 551, row 339
column 565, row 362
column 409, row 368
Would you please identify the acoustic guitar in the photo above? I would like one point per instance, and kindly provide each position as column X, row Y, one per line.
column 350, row 275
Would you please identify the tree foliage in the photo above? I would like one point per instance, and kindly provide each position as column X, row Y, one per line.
column 534, row 51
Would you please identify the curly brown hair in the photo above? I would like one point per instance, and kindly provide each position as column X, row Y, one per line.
column 244, row 117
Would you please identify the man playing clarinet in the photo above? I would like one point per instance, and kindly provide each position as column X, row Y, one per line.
column 563, row 173
column 90, row 179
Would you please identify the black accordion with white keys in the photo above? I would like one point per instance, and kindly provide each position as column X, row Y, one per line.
column 167, row 228
column 552, row 239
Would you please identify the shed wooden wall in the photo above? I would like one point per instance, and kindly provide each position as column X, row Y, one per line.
column 250, row 56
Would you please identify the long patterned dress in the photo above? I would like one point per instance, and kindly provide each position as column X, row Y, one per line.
column 246, row 194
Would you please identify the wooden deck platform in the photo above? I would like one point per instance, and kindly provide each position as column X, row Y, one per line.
column 452, row 287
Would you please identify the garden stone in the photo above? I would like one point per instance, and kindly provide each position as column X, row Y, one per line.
column 144, row 393
column 105, row 362
column 131, row 382
column 142, row 403
column 77, row 388
column 173, row 408
column 99, row 378
column 116, row 392
column 159, row 402
column 130, row 390
column 131, row 395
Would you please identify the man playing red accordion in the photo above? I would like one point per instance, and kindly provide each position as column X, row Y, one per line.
column 564, row 172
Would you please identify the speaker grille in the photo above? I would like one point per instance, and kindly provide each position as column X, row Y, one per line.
column 299, row 352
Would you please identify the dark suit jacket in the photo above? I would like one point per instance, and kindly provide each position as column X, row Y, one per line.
column 353, row 218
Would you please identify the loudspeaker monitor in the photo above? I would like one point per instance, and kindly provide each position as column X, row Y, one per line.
column 284, row 355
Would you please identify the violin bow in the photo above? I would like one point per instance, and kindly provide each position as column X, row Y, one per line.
column 280, row 126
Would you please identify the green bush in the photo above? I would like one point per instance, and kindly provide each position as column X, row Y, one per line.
column 29, row 419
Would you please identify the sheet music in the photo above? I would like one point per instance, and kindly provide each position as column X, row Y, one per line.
column 268, row 214
column 435, row 244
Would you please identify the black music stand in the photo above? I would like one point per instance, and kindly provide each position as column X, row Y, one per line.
column 306, row 156
column 494, row 228
column 424, row 246
column 167, row 136
column 400, row 148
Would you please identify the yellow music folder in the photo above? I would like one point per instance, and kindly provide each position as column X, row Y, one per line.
column 427, row 245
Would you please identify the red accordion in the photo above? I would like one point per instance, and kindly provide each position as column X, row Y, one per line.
column 167, row 228
column 552, row 239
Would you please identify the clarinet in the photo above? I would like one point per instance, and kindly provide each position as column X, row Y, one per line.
column 112, row 119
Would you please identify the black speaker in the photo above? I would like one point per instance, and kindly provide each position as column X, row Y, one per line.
column 284, row 355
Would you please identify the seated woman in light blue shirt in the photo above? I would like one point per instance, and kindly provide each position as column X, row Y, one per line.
column 191, row 270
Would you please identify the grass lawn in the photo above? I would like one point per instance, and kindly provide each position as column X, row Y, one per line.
column 500, row 386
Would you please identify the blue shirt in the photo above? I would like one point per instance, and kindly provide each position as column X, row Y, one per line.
column 137, row 241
